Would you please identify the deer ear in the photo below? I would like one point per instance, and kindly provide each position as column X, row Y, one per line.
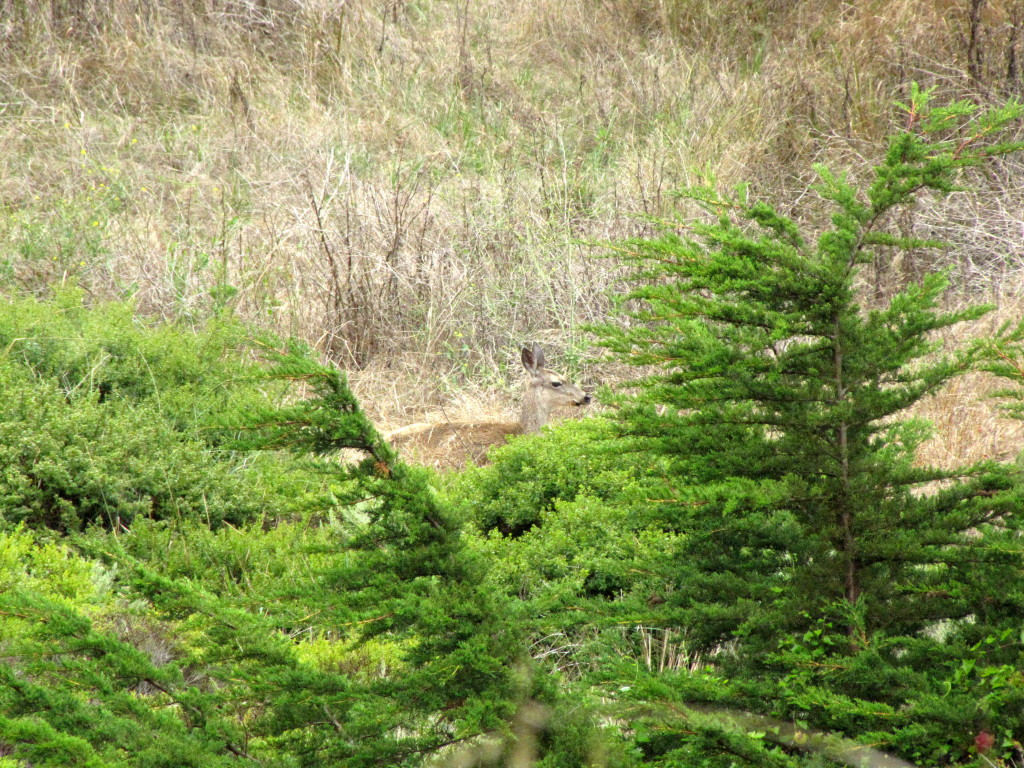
column 538, row 355
column 533, row 358
column 529, row 363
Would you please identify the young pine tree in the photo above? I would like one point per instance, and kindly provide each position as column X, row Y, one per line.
column 780, row 401
column 406, row 578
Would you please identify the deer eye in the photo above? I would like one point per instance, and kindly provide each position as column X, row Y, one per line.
column 556, row 384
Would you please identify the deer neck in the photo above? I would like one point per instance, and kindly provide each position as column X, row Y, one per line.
column 536, row 411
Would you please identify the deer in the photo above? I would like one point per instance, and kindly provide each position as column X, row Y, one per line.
column 449, row 444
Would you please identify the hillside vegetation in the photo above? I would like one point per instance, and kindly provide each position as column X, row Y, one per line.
column 239, row 238
column 412, row 186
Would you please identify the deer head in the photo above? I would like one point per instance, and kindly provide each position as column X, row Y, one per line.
column 545, row 390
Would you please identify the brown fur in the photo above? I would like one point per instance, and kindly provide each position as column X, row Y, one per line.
column 451, row 444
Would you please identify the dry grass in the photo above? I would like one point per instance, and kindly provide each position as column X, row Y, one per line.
column 406, row 184
column 969, row 425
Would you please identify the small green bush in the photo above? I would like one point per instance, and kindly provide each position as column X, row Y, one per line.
column 51, row 568
column 529, row 474
column 69, row 463
column 107, row 351
column 104, row 416
column 563, row 516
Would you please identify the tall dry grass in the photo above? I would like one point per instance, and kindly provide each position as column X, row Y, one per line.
column 411, row 185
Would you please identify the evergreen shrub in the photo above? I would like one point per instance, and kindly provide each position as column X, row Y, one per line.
column 107, row 351
column 68, row 465
column 825, row 575
column 528, row 474
column 102, row 419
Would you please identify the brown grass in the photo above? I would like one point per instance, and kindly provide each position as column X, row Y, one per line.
column 969, row 425
column 407, row 184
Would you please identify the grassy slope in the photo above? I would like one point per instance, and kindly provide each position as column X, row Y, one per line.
column 404, row 184
column 407, row 184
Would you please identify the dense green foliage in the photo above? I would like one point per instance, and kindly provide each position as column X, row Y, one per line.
column 209, row 556
column 101, row 417
column 839, row 583
column 353, row 628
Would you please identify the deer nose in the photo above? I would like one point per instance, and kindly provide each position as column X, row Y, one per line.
column 586, row 399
